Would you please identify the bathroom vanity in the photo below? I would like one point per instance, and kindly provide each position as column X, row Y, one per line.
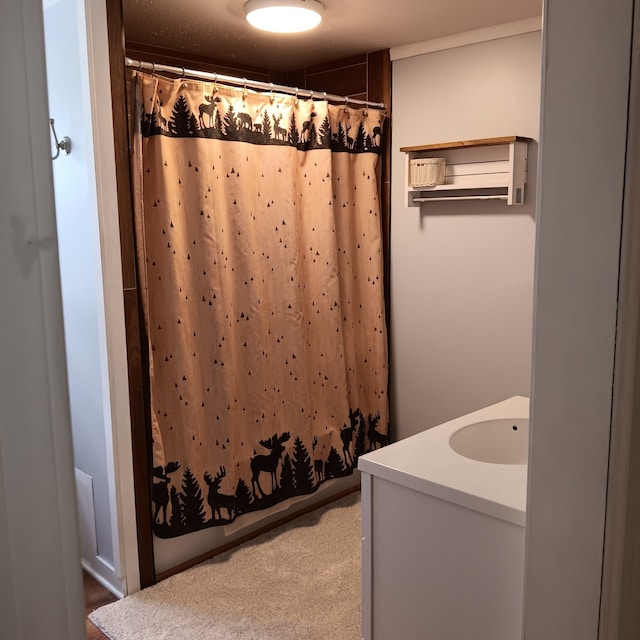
column 443, row 531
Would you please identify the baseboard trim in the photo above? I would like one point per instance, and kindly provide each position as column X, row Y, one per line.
column 119, row 592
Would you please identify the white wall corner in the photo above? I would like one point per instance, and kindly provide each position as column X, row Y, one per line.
column 505, row 30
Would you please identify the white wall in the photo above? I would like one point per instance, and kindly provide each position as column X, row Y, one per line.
column 86, row 206
column 462, row 273
column 77, row 221
column 585, row 101
column 40, row 578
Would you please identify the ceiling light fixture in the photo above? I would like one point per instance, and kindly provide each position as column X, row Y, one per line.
column 284, row 16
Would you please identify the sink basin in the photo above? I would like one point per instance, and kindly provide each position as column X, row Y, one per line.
column 503, row 441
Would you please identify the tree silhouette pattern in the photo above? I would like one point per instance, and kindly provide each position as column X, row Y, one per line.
column 302, row 469
column 296, row 477
column 219, row 119
column 260, row 265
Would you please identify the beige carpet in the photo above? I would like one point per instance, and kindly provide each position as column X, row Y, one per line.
column 300, row 581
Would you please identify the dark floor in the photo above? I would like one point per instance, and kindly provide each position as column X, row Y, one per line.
column 95, row 595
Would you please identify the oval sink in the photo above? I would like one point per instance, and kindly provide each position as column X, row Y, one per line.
column 504, row 441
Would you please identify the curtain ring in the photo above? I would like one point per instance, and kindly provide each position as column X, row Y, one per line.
column 153, row 67
column 272, row 98
column 183, row 72
column 139, row 65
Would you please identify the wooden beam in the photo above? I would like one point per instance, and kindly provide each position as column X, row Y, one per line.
column 136, row 342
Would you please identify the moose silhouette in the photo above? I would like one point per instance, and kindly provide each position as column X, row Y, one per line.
column 268, row 463
column 218, row 501
column 208, row 107
column 375, row 437
column 160, row 490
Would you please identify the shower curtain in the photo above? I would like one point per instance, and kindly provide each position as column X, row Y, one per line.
column 260, row 264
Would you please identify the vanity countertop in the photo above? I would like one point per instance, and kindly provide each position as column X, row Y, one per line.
column 426, row 463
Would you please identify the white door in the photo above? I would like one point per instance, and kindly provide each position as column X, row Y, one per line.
column 40, row 583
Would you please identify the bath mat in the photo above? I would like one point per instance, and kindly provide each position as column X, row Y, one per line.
column 300, row 581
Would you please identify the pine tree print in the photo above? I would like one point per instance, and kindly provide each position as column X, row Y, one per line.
column 193, row 504
column 177, row 516
column 230, row 124
column 313, row 136
column 218, row 122
column 294, row 136
column 334, row 467
column 267, row 132
column 360, row 446
column 325, row 133
column 194, row 127
column 302, row 467
column 360, row 138
column 287, row 479
column 243, row 497
column 179, row 122
column 341, row 141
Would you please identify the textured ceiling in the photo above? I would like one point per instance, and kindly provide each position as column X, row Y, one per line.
column 218, row 29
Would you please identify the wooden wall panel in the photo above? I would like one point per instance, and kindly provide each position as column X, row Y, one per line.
column 162, row 55
column 137, row 368
column 347, row 77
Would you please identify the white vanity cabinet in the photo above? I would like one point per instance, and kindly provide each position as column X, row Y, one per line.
column 443, row 539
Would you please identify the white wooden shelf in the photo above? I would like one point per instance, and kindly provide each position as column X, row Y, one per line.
column 485, row 169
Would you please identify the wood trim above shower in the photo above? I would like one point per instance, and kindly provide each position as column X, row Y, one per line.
column 163, row 55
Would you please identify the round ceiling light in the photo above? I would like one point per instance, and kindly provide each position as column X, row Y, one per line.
column 284, row 16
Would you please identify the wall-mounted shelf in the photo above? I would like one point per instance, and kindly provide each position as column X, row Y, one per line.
column 485, row 169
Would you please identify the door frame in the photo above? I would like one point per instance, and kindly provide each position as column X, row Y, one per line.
column 135, row 339
column 620, row 616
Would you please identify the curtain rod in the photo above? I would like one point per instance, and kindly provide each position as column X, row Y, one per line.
column 244, row 82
